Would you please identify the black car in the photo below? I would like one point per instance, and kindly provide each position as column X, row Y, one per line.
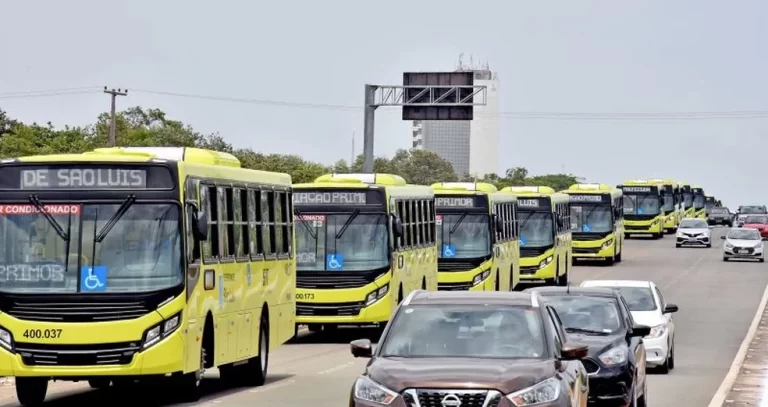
column 600, row 318
column 463, row 349
column 720, row 216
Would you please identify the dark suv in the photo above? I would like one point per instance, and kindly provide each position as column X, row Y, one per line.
column 720, row 216
column 490, row 349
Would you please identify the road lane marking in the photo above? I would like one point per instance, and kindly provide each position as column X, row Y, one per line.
column 725, row 387
column 336, row 368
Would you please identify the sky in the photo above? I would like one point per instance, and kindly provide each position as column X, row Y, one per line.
column 656, row 56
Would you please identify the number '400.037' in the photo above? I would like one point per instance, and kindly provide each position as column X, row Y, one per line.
column 42, row 333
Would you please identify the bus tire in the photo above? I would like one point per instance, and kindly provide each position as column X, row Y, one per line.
column 255, row 371
column 498, row 283
column 99, row 383
column 31, row 391
column 424, row 283
column 188, row 385
column 618, row 256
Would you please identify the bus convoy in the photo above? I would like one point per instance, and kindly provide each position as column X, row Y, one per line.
column 124, row 264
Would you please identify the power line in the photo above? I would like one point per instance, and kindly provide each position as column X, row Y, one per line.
column 39, row 94
column 47, row 91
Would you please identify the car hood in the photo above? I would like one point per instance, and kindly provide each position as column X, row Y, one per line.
column 648, row 318
column 505, row 375
column 597, row 344
column 694, row 231
column 742, row 243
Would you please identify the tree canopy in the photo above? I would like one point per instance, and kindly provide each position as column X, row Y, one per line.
column 146, row 127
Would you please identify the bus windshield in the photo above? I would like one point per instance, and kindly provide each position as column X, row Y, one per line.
column 698, row 201
column 536, row 229
column 669, row 203
column 591, row 219
column 467, row 236
column 76, row 249
column 687, row 199
column 341, row 242
column 641, row 205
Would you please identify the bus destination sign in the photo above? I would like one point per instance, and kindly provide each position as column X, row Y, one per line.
column 642, row 190
column 83, row 178
column 587, row 198
column 534, row 203
column 327, row 198
column 460, row 202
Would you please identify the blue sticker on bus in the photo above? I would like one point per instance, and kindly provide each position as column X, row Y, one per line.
column 93, row 279
column 334, row 262
column 449, row 250
column 586, row 228
column 522, row 241
column 639, row 211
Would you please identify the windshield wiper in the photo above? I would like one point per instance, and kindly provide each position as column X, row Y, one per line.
column 39, row 206
column 113, row 220
column 304, row 223
column 525, row 220
column 586, row 331
column 458, row 222
column 347, row 223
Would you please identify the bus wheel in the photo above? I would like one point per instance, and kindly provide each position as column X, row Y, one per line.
column 31, row 391
column 255, row 371
column 189, row 384
column 618, row 256
column 99, row 383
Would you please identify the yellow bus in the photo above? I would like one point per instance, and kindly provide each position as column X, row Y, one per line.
column 129, row 263
column 597, row 222
column 687, row 193
column 476, row 236
column 545, row 234
column 709, row 203
column 363, row 243
column 699, row 202
column 643, row 208
column 673, row 198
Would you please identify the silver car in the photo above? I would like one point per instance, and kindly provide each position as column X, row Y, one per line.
column 743, row 243
column 693, row 232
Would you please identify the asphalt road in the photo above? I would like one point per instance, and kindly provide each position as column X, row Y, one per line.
column 717, row 303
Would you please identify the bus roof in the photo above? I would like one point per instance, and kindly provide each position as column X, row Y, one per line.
column 590, row 188
column 143, row 154
column 530, row 190
column 452, row 187
column 638, row 182
column 377, row 179
column 395, row 185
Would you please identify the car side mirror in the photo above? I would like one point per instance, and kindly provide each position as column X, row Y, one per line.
column 640, row 331
column 201, row 226
column 397, row 226
column 573, row 351
column 711, row 227
column 670, row 309
column 361, row 348
column 722, row 237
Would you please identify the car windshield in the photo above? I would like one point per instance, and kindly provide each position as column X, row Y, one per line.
column 761, row 220
column 463, row 236
column 583, row 313
column 744, row 234
column 323, row 243
column 140, row 252
column 687, row 199
column 693, row 224
column 536, row 229
column 421, row 331
column 638, row 298
column 641, row 205
column 698, row 201
column 752, row 209
column 720, row 211
column 591, row 218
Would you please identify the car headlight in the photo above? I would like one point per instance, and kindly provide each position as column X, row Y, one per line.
column 6, row 339
column 759, row 245
column 480, row 277
column 368, row 390
column 545, row 262
column 657, row 331
column 614, row 356
column 607, row 244
column 376, row 294
column 159, row 331
column 542, row 392
column 728, row 245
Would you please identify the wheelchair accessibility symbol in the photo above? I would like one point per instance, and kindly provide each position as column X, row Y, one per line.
column 449, row 250
column 334, row 262
column 93, row 279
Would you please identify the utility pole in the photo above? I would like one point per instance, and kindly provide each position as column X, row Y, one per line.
column 352, row 157
column 112, row 121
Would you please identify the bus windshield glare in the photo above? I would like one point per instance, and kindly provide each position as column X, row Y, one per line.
column 536, row 229
column 698, row 201
column 591, row 218
column 75, row 250
column 470, row 235
column 641, row 204
column 341, row 242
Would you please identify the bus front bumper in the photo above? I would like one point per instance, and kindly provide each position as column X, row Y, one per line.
column 165, row 357
column 346, row 313
column 470, row 280
column 654, row 226
column 540, row 268
column 594, row 249
column 670, row 223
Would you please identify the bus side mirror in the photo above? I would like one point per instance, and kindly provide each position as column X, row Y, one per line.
column 499, row 222
column 201, row 226
column 397, row 226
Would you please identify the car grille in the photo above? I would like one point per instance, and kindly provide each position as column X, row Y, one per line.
column 306, row 309
column 35, row 354
column 743, row 250
column 692, row 234
column 76, row 311
column 467, row 398
column 590, row 365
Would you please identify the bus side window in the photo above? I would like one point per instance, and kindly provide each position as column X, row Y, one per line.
column 419, row 222
column 210, row 204
column 407, row 224
column 429, row 223
column 432, row 223
column 400, row 213
column 224, row 242
column 287, row 207
column 278, row 224
column 242, row 235
column 193, row 245
column 281, row 224
column 254, row 224
column 267, row 217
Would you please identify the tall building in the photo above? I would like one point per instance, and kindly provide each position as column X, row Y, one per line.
column 472, row 147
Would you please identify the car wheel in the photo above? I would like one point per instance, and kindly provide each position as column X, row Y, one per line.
column 671, row 359
column 762, row 260
column 725, row 259
column 664, row 369
column 678, row 245
column 709, row 245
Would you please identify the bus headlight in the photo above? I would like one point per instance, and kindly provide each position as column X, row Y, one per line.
column 6, row 339
column 607, row 244
column 154, row 334
column 376, row 294
column 480, row 277
column 545, row 262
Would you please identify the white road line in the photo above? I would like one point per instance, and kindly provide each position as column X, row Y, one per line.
column 741, row 355
column 336, row 368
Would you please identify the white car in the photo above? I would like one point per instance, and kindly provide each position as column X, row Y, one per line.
column 743, row 243
column 648, row 307
column 693, row 232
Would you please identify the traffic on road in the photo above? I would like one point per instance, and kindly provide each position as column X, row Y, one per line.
column 132, row 268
